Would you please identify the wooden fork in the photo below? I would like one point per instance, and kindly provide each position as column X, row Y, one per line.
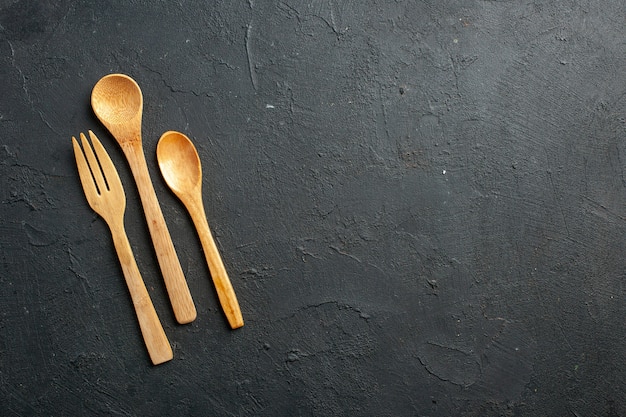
column 105, row 195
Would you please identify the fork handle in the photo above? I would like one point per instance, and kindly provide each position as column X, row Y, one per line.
column 177, row 289
column 154, row 336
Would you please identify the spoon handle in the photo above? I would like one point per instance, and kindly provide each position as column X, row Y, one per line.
column 180, row 297
column 223, row 286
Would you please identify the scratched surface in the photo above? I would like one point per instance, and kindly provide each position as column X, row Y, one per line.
column 421, row 204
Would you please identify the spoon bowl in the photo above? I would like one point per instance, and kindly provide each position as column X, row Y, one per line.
column 118, row 102
column 180, row 166
column 179, row 163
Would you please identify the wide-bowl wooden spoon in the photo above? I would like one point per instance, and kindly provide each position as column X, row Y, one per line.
column 118, row 103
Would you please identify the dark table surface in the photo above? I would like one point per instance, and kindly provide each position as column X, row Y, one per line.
column 421, row 205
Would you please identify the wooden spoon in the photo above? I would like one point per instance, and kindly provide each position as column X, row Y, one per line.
column 118, row 103
column 180, row 166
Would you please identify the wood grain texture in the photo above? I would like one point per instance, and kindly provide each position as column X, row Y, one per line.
column 223, row 286
column 118, row 102
column 106, row 196
column 152, row 331
column 177, row 288
column 182, row 170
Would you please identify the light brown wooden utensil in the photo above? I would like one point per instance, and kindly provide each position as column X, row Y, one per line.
column 117, row 101
column 180, row 166
column 105, row 195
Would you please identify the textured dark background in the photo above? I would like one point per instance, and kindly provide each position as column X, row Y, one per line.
column 421, row 205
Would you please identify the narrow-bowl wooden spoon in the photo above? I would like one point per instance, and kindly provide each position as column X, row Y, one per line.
column 181, row 169
column 118, row 103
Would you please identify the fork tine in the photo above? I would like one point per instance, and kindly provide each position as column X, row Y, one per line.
column 94, row 165
column 110, row 173
column 84, row 173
